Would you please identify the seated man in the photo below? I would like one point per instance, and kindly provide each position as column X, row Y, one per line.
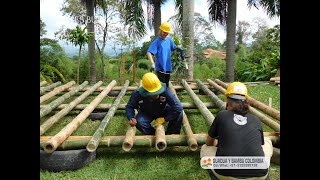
column 154, row 101
column 235, row 132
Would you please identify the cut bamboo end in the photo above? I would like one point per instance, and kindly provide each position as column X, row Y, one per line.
column 91, row 147
column 126, row 146
column 49, row 148
column 161, row 143
column 193, row 145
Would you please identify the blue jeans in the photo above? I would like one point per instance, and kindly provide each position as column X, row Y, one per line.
column 144, row 120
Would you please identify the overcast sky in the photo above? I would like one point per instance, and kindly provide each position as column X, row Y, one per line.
column 54, row 20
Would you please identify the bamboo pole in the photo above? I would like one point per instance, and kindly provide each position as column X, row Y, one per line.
column 129, row 138
column 253, row 102
column 266, row 120
column 42, row 83
column 67, row 108
column 192, row 142
column 185, row 105
column 47, row 88
column 132, row 88
column 202, row 108
column 213, row 97
column 80, row 142
column 56, row 91
column 161, row 143
column 53, row 143
column 94, row 142
column 49, row 107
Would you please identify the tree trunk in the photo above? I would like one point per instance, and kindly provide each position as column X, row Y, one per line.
column 67, row 108
column 188, row 34
column 231, row 36
column 157, row 17
column 91, row 44
column 102, row 58
column 78, row 68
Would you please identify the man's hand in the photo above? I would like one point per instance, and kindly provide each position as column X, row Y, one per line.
column 181, row 51
column 133, row 122
column 152, row 67
column 159, row 121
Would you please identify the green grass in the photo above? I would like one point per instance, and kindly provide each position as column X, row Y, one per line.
column 148, row 163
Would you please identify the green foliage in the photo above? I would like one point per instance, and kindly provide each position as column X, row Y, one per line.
column 262, row 62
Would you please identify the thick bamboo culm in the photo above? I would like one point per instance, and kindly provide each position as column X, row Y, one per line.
column 132, row 88
column 160, row 134
column 56, row 90
column 67, row 108
column 213, row 97
column 266, row 120
column 47, row 88
column 49, row 107
column 80, row 142
column 94, row 142
column 202, row 108
column 129, row 138
column 42, row 83
column 257, row 104
column 185, row 105
column 192, row 142
column 53, row 143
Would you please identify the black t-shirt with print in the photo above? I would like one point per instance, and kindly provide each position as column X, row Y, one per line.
column 238, row 135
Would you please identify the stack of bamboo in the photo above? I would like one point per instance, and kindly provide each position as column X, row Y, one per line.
column 275, row 80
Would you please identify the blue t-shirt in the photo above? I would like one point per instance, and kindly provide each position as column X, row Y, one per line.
column 162, row 48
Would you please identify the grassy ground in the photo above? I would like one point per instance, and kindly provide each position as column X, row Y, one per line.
column 148, row 163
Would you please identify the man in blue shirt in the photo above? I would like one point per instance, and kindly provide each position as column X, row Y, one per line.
column 154, row 101
column 162, row 47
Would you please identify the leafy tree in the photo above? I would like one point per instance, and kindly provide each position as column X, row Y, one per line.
column 78, row 37
column 223, row 12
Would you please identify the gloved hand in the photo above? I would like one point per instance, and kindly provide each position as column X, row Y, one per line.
column 181, row 51
column 152, row 67
column 159, row 121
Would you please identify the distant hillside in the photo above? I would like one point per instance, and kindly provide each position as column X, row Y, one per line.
column 73, row 51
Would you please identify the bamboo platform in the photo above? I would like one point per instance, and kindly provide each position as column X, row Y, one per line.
column 53, row 105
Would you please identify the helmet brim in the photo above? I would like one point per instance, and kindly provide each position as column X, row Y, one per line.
column 145, row 93
column 236, row 96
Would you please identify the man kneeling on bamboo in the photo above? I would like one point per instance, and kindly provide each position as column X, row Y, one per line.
column 154, row 101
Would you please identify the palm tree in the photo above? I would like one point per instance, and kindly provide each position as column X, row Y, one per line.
column 79, row 37
column 188, row 33
column 135, row 15
column 224, row 13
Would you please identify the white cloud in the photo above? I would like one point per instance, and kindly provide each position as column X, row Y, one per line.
column 51, row 15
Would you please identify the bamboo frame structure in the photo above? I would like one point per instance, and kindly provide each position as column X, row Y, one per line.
column 265, row 119
column 94, row 142
column 64, row 141
column 253, row 102
column 53, row 143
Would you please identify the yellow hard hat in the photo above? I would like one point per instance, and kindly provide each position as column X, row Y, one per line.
column 151, row 85
column 165, row 27
column 237, row 90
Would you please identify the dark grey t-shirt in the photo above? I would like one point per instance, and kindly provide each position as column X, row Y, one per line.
column 238, row 135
